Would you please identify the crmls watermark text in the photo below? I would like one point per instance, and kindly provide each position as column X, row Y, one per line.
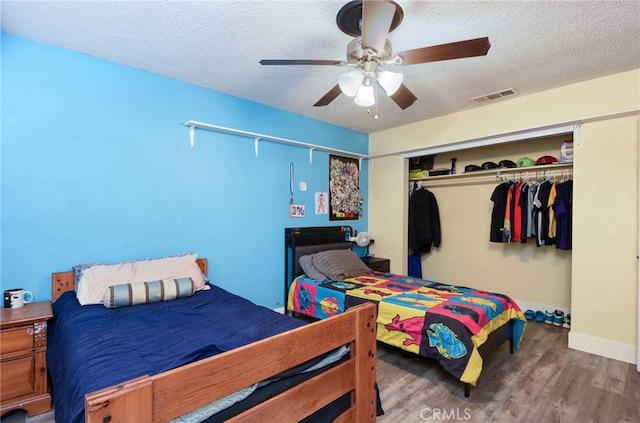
column 435, row 414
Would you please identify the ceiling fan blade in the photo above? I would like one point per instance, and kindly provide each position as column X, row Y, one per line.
column 303, row 62
column 376, row 20
column 457, row 50
column 403, row 97
column 329, row 97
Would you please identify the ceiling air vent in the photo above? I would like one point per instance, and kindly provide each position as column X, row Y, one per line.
column 494, row 96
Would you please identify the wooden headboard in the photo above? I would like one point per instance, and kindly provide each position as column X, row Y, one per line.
column 62, row 282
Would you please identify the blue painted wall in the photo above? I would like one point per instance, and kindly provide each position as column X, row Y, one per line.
column 97, row 167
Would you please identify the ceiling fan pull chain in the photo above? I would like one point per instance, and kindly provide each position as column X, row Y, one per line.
column 375, row 95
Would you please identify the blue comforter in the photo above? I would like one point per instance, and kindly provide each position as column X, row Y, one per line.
column 93, row 347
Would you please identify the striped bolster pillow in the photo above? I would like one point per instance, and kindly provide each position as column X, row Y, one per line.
column 128, row 294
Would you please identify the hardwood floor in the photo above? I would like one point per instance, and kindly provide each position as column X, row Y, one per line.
column 543, row 381
column 20, row 416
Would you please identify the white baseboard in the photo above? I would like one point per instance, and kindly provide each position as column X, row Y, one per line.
column 586, row 343
column 279, row 310
column 602, row 347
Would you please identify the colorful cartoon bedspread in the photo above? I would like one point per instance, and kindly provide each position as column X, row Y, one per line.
column 434, row 320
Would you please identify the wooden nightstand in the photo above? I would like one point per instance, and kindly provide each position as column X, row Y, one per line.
column 378, row 264
column 23, row 363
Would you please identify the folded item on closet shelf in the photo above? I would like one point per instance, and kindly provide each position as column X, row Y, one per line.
column 471, row 168
column 418, row 173
column 566, row 152
column 438, row 172
column 489, row 165
column 545, row 160
column 525, row 162
column 507, row 164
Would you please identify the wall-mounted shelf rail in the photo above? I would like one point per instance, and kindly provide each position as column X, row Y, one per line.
column 193, row 125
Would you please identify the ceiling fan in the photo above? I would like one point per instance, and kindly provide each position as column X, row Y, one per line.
column 370, row 21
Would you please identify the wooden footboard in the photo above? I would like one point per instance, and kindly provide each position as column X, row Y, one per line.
column 168, row 395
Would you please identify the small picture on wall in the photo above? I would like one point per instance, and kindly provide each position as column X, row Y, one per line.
column 321, row 203
column 344, row 188
column 296, row 210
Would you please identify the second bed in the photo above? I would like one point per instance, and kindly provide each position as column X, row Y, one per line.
column 455, row 325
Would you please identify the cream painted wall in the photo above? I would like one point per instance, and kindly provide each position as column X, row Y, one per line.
column 583, row 101
column 596, row 97
column 389, row 177
column 606, row 229
column 540, row 275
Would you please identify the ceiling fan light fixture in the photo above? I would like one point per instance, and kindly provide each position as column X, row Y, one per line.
column 370, row 22
column 390, row 81
column 365, row 96
column 350, row 82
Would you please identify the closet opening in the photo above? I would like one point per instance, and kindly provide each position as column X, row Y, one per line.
column 537, row 276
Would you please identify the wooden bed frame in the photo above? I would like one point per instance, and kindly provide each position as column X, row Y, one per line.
column 309, row 240
column 170, row 394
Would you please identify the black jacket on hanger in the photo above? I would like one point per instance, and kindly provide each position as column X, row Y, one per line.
column 499, row 198
column 424, row 222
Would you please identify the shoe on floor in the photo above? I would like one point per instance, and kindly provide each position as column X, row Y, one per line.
column 558, row 318
column 529, row 315
column 548, row 317
column 567, row 321
column 539, row 316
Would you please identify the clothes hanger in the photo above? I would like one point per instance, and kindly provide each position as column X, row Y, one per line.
column 525, row 180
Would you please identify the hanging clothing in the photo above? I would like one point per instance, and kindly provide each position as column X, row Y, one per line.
column 541, row 213
column 424, row 222
column 413, row 187
column 540, row 210
column 508, row 213
column 524, row 208
column 552, row 215
column 415, row 266
column 563, row 209
column 531, row 231
column 517, row 213
column 499, row 198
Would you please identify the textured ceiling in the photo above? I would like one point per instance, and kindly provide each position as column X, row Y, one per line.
column 535, row 45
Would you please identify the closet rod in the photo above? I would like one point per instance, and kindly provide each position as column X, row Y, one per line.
column 448, row 182
column 536, row 174
column 193, row 125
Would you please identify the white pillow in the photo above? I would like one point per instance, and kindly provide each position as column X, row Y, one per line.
column 96, row 279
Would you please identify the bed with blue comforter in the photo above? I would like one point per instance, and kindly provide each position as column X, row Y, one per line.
column 92, row 347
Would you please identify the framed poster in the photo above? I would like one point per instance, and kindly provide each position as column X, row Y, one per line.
column 344, row 188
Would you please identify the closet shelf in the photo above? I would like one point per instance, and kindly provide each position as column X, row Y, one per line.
column 497, row 172
column 262, row 137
